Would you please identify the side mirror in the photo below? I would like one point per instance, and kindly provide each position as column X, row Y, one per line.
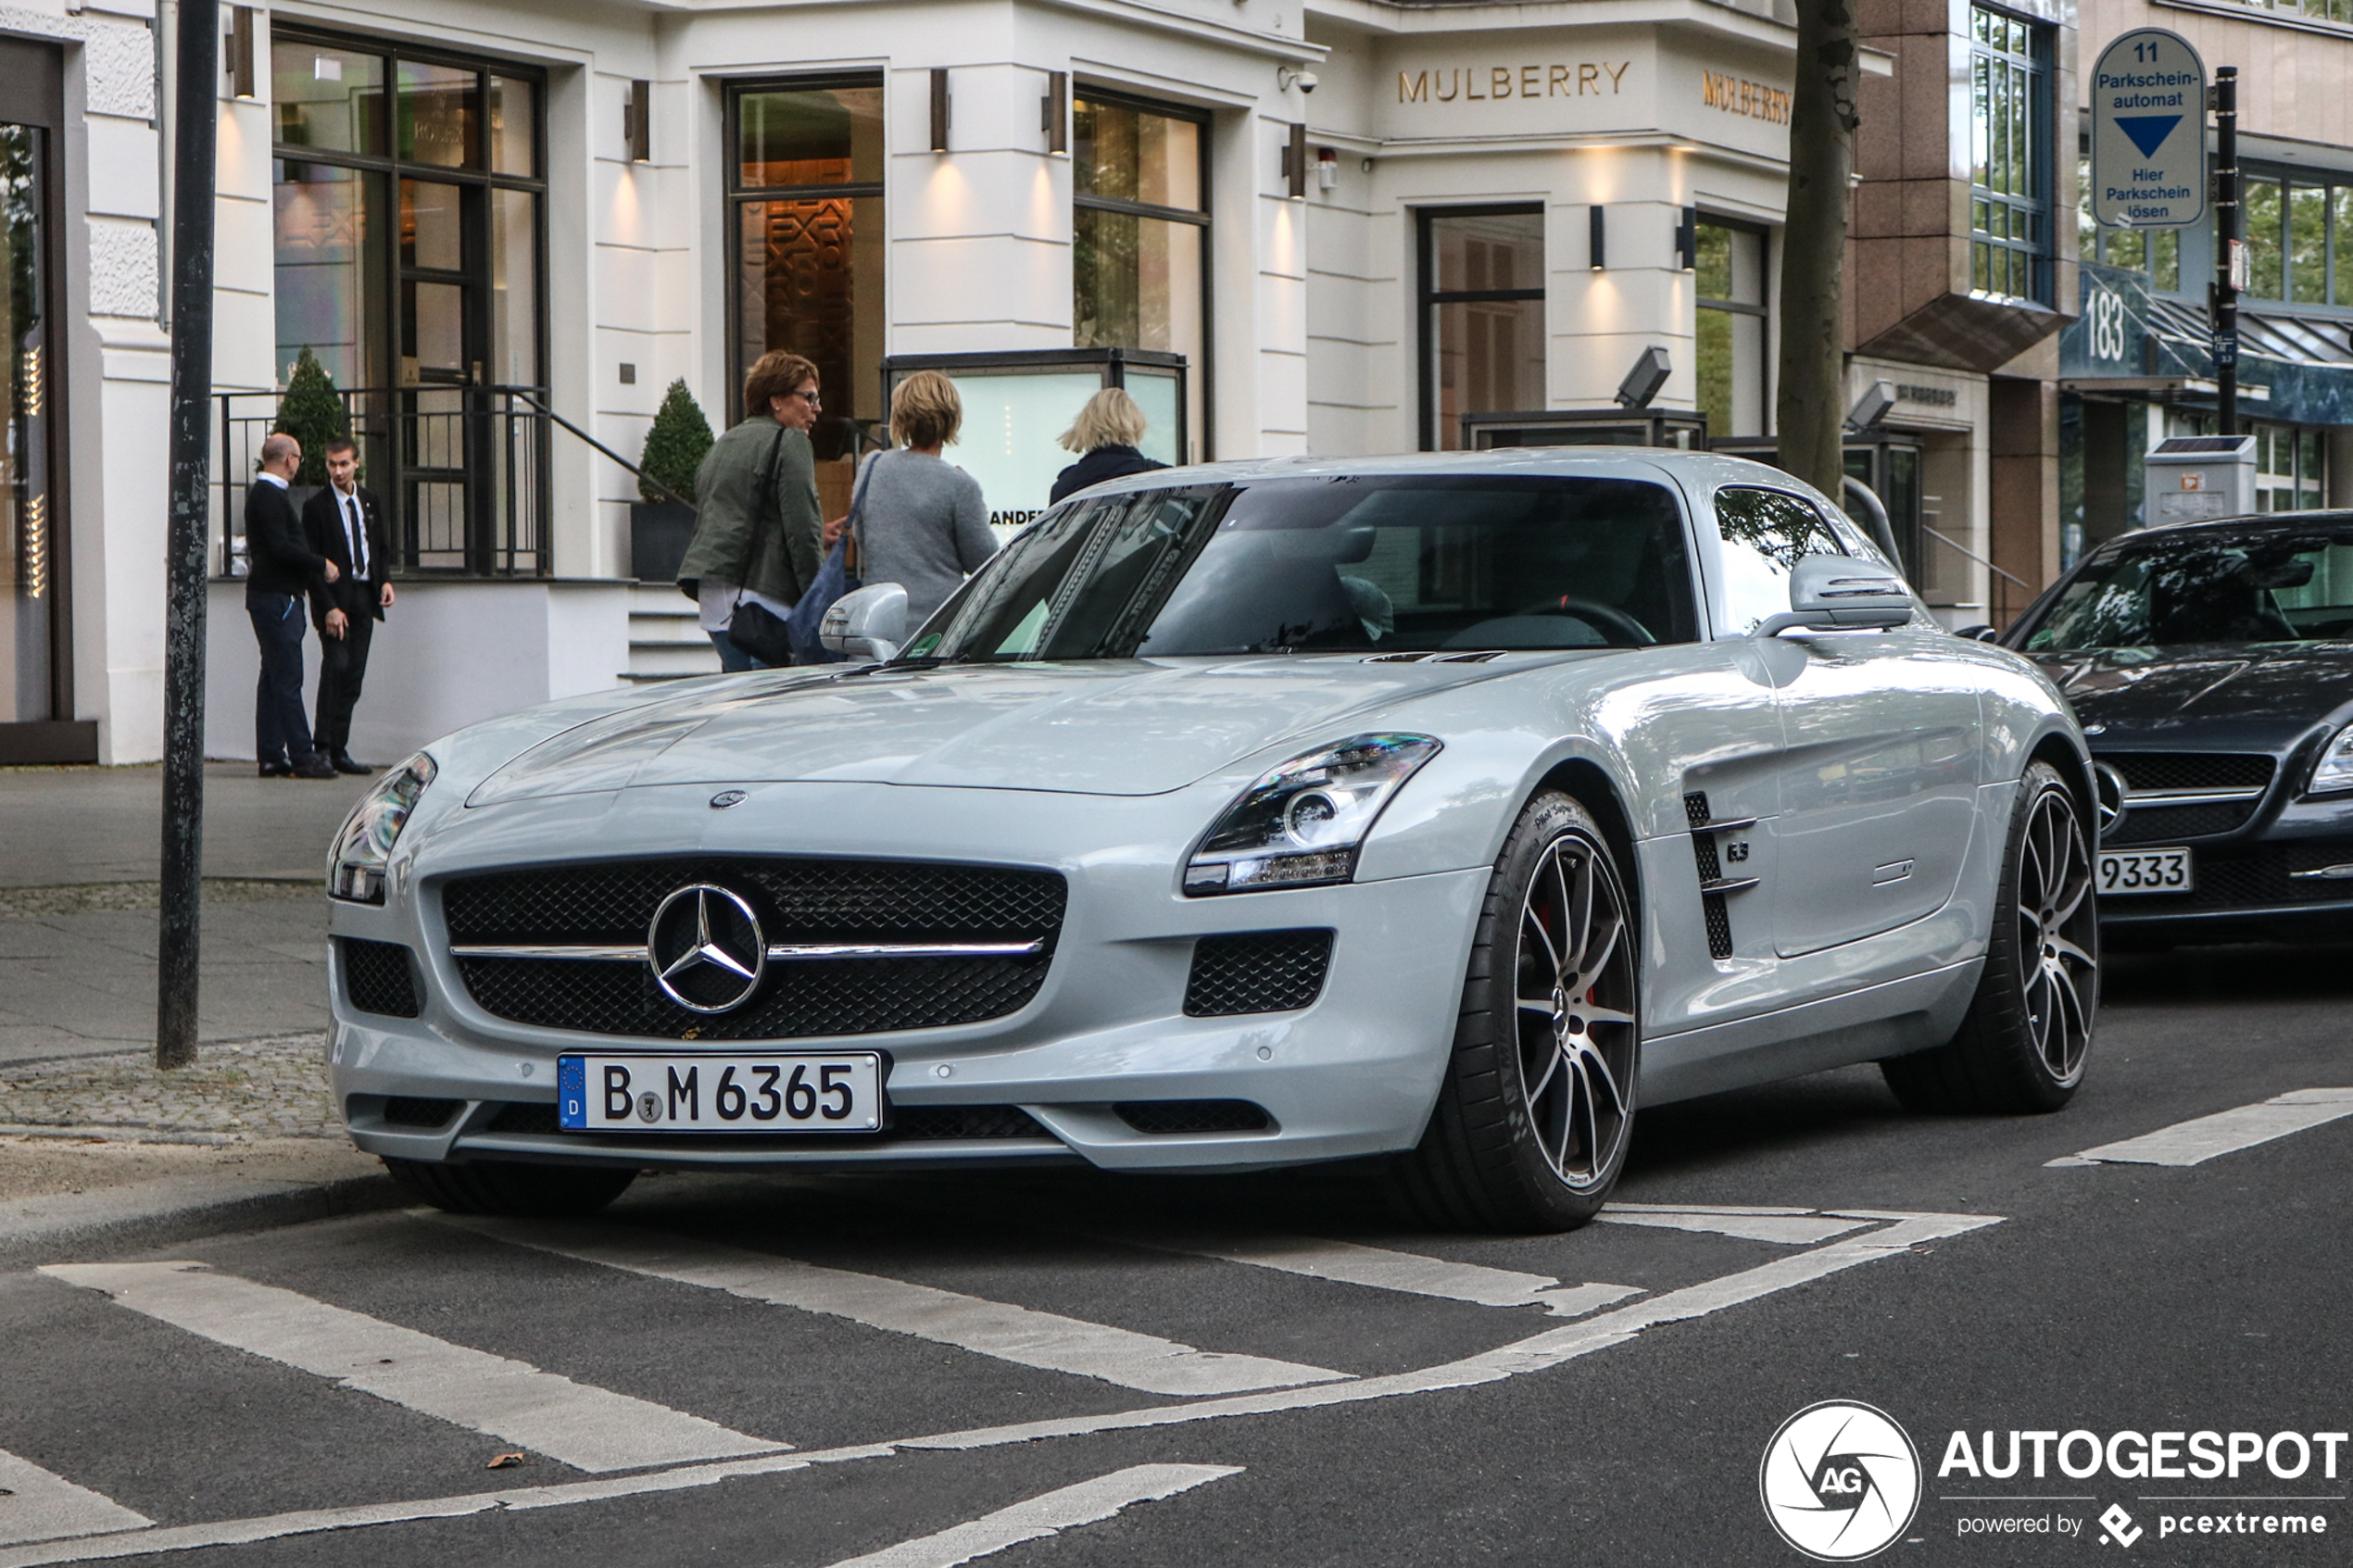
column 870, row 623
column 1979, row 634
column 1840, row 594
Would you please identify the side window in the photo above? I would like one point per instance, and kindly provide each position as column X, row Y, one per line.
column 1764, row 533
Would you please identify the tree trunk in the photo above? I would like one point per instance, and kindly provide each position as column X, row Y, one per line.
column 1810, row 408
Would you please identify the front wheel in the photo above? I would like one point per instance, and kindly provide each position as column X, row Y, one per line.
column 1537, row 1107
column 2028, row 1033
column 537, row 1192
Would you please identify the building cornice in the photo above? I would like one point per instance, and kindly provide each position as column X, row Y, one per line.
column 1381, row 16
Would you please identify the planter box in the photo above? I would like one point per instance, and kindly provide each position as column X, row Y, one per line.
column 659, row 534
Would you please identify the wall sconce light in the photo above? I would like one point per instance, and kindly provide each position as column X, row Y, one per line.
column 1054, row 112
column 1600, row 235
column 1295, row 162
column 1643, row 381
column 939, row 109
column 240, row 51
column 1327, row 168
column 1687, row 239
column 637, row 121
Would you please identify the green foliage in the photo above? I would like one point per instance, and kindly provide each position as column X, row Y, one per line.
column 312, row 414
column 676, row 445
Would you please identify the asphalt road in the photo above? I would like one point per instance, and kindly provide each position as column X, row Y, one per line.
column 1374, row 1424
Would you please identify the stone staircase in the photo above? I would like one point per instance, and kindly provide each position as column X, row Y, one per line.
column 665, row 644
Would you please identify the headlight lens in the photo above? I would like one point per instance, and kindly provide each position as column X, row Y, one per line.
column 1301, row 823
column 356, row 871
column 2334, row 770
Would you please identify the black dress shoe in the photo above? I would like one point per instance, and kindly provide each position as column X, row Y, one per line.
column 343, row 764
column 277, row 770
column 315, row 767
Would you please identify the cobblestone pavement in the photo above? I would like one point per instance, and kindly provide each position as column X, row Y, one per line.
column 273, row 1088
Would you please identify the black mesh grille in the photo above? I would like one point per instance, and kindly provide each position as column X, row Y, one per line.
column 798, row 900
column 406, row 1111
column 919, row 1123
column 1696, row 809
column 1193, row 1116
column 2256, row 877
column 1720, row 926
column 378, row 977
column 526, row 1116
column 2190, row 769
column 1257, row 971
column 1711, row 904
column 2163, row 824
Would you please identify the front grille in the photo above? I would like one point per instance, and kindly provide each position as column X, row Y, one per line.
column 798, row 900
column 1257, row 971
column 1179, row 1116
column 2256, row 877
column 526, row 1116
column 2190, row 769
column 403, row 1111
column 378, row 978
column 2164, row 825
column 914, row 1123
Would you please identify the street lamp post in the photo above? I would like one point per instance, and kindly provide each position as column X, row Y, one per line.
column 2229, row 238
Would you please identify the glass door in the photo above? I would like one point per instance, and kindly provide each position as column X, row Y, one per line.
column 441, row 357
column 29, row 673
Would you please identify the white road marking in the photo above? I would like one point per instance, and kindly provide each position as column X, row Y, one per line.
column 2195, row 1141
column 38, row 1506
column 1020, row 1335
column 1535, row 1353
column 1798, row 1229
column 1380, row 1269
column 1089, row 1502
column 588, row 1428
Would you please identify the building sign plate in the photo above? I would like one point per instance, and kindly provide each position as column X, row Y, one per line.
column 2148, row 131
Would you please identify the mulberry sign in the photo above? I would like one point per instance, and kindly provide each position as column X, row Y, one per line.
column 2148, row 131
column 1450, row 85
column 1737, row 95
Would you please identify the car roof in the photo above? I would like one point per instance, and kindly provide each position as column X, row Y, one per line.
column 1698, row 471
column 2252, row 523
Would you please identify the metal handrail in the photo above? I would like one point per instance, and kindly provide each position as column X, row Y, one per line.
column 1972, row 555
column 643, row 477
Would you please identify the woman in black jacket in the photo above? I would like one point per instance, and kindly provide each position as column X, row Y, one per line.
column 1104, row 433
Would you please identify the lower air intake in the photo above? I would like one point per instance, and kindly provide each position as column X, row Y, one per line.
column 378, row 977
column 1180, row 1116
column 1257, row 971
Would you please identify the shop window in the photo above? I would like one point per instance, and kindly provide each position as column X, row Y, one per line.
column 1730, row 352
column 805, row 185
column 28, row 522
column 1140, row 237
column 2011, row 169
column 1482, row 332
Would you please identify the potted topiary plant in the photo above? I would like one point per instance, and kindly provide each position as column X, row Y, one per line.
column 312, row 412
column 661, row 525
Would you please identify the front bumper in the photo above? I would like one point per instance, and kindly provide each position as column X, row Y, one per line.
column 1354, row 1074
column 2291, row 879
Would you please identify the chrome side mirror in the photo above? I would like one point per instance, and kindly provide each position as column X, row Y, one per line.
column 870, row 623
column 1840, row 594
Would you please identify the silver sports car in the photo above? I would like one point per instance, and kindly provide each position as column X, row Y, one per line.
column 1445, row 809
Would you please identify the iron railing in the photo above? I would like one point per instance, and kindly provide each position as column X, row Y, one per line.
column 460, row 472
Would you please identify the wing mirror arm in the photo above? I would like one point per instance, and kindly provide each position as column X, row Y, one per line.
column 1840, row 594
column 870, row 623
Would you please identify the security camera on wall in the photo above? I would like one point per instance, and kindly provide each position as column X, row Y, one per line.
column 1643, row 381
column 1290, row 76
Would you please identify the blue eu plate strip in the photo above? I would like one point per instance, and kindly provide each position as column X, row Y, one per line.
column 571, row 1092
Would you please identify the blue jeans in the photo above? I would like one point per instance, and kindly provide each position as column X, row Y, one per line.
column 732, row 660
column 280, row 731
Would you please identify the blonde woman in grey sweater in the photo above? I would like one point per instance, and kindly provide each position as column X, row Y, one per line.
column 921, row 522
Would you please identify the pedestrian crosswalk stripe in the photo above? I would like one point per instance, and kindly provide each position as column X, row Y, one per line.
column 1088, row 1502
column 38, row 1506
column 1785, row 1230
column 592, row 1429
column 1020, row 1335
column 2227, row 1132
column 1380, row 1269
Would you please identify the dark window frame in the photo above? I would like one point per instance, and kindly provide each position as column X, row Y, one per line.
column 1761, row 310
column 2041, row 66
column 1428, row 297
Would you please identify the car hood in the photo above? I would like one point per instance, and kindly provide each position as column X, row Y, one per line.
column 2261, row 695
column 1132, row 727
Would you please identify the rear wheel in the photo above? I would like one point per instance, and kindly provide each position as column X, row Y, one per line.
column 1537, row 1107
column 519, row 1191
column 2023, row 1042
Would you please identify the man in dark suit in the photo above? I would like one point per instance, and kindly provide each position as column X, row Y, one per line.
column 280, row 569
column 345, row 525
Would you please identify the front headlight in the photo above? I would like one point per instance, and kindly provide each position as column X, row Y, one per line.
column 1301, row 823
column 356, row 869
column 2333, row 771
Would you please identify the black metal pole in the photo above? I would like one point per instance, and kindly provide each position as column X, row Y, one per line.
column 195, row 130
column 2229, row 231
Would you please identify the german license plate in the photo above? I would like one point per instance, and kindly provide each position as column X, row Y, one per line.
column 711, row 1093
column 2124, row 871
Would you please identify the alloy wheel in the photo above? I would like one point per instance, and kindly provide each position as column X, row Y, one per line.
column 2058, row 941
column 1575, row 985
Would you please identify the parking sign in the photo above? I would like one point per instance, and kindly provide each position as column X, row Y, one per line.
column 2148, row 131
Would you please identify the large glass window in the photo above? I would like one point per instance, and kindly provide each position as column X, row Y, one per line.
column 2300, row 237
column 1482, row 317
column 1730, row 327
column 806, row 186
column 1139, row 237
column 2011, row 169
column 28, row 578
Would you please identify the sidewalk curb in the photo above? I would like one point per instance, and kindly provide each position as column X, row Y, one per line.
column 70, row 1226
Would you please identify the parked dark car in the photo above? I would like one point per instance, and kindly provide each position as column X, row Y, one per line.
column 2211, row 665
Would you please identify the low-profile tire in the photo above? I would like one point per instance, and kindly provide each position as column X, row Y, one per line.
column 535, row 1191
column 2023, row 1042
column 1536, row 1106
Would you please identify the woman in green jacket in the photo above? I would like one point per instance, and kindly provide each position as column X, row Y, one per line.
column 758, row 530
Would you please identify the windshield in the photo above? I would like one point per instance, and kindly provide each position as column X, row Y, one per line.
column 2271, row 587
column 1408, row 563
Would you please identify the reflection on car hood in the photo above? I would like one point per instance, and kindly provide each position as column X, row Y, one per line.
column 2245, row 695
column 1133, row 727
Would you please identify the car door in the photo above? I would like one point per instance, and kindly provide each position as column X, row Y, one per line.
column 1879, row 731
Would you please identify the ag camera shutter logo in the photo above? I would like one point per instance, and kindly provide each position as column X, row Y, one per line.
column 1840, row 1481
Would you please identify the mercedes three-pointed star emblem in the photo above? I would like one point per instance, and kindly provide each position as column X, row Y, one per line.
column 706, row 949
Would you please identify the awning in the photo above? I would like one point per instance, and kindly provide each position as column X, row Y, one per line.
column 2132, row 342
